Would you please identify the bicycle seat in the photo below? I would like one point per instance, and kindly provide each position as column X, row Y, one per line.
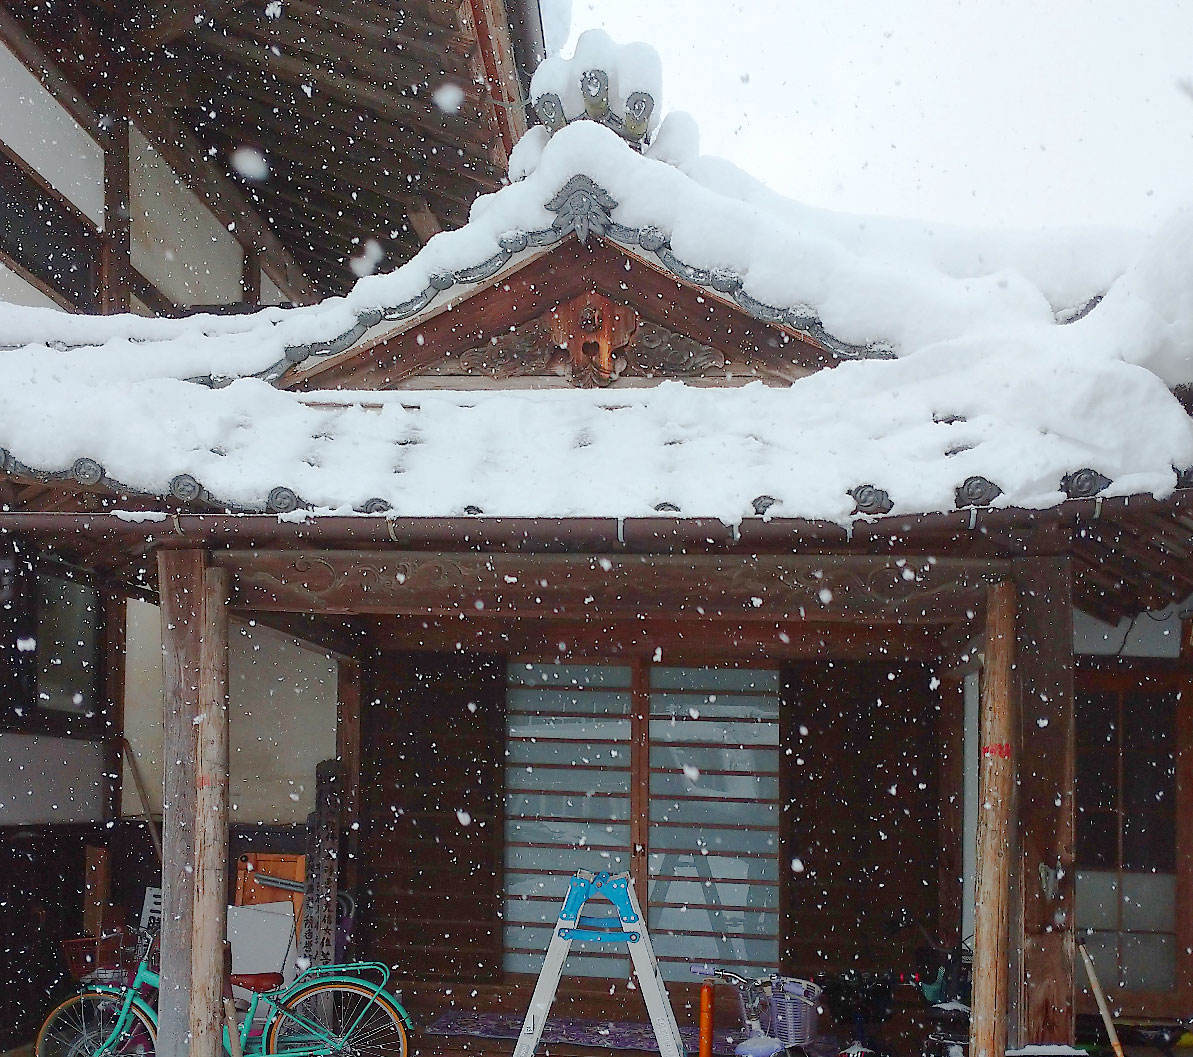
column 256, row 981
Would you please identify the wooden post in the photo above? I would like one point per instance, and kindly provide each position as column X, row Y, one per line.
column 348, row 754
column 115, row 272
column 113, row 639
column 180, row 589
column 1047, row 812
column 996, row 792
column 209, row 928
column 951, row 778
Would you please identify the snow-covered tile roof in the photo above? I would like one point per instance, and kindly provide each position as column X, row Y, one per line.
column 962, row 382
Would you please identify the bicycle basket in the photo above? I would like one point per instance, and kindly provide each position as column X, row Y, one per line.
column 109, row 957
column 794, row 1010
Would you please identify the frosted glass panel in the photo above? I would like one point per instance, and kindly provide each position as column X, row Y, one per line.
column 67, row 645
column 567, row 803
column 713, row 862
column 1149, row 902
column 1148, row 961
column 1097, row 899
column 713, row 810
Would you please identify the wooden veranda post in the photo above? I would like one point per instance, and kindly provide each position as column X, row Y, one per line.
column 211, row 822
column 996, row 792
column 1047, row 812
column 180, row 587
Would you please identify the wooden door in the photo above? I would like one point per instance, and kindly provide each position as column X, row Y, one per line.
column 432, row 754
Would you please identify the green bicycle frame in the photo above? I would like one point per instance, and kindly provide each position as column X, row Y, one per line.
column 145, row 977
column 353, row 973
column 321, row 1043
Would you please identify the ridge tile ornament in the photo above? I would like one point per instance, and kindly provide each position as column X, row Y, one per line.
column 582, row 206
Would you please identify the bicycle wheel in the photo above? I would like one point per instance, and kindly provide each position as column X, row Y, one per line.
column 81, row 1024
column 335, row 1007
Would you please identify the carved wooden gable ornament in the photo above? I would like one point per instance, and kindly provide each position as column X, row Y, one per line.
column 592, row 341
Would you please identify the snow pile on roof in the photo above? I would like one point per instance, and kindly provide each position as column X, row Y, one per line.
column 987, row 381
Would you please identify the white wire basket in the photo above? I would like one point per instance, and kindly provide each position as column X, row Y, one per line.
column 794, row 1010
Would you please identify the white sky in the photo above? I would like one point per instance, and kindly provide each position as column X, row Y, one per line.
column 1004, row 113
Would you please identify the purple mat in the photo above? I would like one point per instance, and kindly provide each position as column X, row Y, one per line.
column 601, row 1034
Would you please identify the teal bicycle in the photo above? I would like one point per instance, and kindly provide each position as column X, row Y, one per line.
column 328, row 1011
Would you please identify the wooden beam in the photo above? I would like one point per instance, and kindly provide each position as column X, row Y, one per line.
column 1047, row 815
column 422, row 221
column 190, row 160
column 53, row 78
column 113, row 652
column 774, row 640
column 951, row 782
column 181, row 586
column 164, row 21
column 115, row 268
column 996, row 792
column 493, row 66
column 348, row 693
column 549, row 586
column 209, row 927
column 351, row 91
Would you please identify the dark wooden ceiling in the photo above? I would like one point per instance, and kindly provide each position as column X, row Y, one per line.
column 339, row 96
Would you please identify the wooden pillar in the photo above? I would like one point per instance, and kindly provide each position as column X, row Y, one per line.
column 209, row 927
column 996, row 795
column 348, row 754
column 180, row 588
column 113, row 651
column 1047, row 812
column 951, row 782
column 115, row 266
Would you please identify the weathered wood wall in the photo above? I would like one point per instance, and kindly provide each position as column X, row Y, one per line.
column 432, row 766
column 861, row 807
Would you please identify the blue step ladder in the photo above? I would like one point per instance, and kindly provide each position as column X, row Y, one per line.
column 629, row 928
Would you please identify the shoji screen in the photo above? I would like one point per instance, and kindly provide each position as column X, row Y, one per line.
column 714, row 813
column 567, row 781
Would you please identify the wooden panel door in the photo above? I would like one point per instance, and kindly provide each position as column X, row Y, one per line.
column 859, row 815
column 432, row 755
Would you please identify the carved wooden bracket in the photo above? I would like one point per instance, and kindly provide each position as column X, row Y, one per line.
column 592, row 327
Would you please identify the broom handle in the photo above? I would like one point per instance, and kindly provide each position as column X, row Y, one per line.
column 154, row 835
column 1101, row 1000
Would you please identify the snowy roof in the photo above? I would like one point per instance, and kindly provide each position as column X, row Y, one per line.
column 973, row 369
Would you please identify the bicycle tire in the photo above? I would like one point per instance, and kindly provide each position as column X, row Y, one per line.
column 382, row 1035
column 77, row 1027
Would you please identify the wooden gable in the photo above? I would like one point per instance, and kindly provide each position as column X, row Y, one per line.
column 579, row 314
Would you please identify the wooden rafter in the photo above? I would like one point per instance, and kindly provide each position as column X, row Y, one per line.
column 164, row 21
column 391, row 104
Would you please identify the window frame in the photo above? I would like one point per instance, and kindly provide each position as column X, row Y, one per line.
column 38, row 719
column 1126, row 675
column 640, row 769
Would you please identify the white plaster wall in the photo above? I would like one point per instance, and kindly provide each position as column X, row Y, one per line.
column 270, row 294
column 35, row 126
column 15, row 290
column 45, row 779
column 283, row 721
column 178, row 245
column 1148, row 635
